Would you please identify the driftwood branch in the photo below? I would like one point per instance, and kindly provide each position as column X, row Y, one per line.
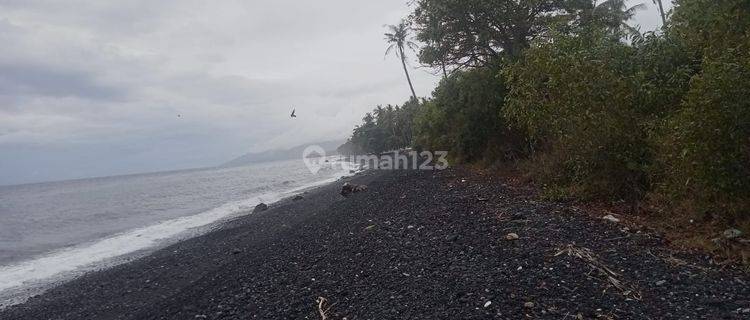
column 323, row 308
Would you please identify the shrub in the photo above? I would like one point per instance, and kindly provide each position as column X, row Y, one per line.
column 711, row 27
column 577, row 98
column 706, row 149
column 464, row 118
column 704, row 152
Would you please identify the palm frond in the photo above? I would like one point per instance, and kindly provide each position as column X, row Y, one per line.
column 630, row 12
column 389, row 49
column 631, row 32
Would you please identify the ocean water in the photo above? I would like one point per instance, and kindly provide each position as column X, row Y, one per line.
column 53, row 231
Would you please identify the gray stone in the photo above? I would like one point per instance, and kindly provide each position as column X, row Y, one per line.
column 348, row 189
column 732, row 233
column 611, row 218
column 260, row 207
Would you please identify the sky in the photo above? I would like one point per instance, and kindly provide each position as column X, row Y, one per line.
column 98, row 88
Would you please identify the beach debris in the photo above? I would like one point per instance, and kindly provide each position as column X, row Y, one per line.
column 529, row 305
column 348, row 189
column 487, row 304
column 511, row 236
column 607, row 273
column 732, row 233
column 611, row 218
column 323, row 308
column 260, row 208
column 298, row 197
column 661, row 282
column 370, row 227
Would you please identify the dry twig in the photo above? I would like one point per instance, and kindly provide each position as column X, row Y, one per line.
column 593, row 261
column 674, row 261
column 323, row 308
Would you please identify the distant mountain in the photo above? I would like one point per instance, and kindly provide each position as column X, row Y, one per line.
column 277, row 155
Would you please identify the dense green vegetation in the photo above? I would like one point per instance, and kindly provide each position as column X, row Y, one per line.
column 386, row 128
column 583, row 103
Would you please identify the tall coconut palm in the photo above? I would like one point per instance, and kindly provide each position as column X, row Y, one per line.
column 397, row 39
column 615, row 14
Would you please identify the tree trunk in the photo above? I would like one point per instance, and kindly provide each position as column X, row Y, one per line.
column 663, row 16
column 408, row 78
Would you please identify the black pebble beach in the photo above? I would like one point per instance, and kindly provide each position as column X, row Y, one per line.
column 414, row 245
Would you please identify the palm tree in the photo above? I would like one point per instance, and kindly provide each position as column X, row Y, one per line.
column 615, row 14
column 397, row 39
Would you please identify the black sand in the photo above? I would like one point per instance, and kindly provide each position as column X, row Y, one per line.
column 415, row 245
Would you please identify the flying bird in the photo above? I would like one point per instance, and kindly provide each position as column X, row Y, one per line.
column 293, row 111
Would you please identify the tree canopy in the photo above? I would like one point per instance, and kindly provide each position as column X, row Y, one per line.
column 472, row 33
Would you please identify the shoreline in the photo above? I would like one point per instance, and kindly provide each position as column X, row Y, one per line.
column 21, row 279
column 421, row 245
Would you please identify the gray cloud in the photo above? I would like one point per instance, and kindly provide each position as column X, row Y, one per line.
column 49, row 81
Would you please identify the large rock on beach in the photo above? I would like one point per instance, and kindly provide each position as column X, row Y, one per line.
column 260, row 208
column 348, row 189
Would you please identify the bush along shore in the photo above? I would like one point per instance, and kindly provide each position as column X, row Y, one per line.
column 412, row 245
column 655, row 125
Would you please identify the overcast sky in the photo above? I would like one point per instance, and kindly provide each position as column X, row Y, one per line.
column 94, row 88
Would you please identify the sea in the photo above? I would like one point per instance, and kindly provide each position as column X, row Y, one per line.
column 56, row 231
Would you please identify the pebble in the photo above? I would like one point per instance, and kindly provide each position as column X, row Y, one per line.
column 487, row 304
column 517, row 216
column 611, row 218
column 528, row 305
column 511, row 236
column 661, row 282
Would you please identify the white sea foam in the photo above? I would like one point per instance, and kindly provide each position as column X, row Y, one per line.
column 41, row 272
